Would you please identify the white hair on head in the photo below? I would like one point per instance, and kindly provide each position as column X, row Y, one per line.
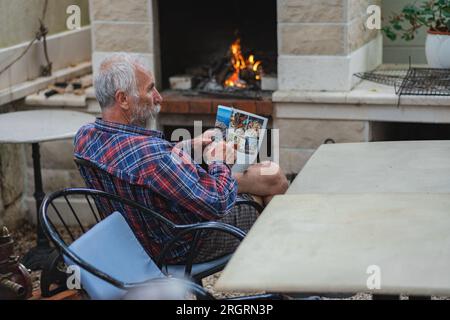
column 116, row 72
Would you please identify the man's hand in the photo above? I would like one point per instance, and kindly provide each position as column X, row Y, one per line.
column 207, row 137
column 220, row 151
column 203, row 140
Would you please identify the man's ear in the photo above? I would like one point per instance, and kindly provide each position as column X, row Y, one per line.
column 122, row 99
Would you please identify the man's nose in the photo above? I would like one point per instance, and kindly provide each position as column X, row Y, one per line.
column 157, row 97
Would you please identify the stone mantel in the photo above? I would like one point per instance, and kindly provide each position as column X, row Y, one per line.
column 368, row 101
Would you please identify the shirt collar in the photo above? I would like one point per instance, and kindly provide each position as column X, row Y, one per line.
column 124, row 128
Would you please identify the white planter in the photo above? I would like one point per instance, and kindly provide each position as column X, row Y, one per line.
column 438, row 50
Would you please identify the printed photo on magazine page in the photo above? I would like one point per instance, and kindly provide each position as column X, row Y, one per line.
column 246, row 130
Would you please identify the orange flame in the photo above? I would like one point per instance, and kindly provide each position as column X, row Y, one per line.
column 240, row 63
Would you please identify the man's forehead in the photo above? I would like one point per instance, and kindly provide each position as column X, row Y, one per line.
column 143, row 74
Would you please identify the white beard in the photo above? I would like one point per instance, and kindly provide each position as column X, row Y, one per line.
column 145, row 117
column 151, row 121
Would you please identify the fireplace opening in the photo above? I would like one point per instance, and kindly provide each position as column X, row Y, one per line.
column 225, row 48
column 395, row 131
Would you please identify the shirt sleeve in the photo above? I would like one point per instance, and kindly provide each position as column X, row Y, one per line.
column 210, row 194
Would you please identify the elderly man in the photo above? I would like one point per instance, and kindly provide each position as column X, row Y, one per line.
column 182, row 191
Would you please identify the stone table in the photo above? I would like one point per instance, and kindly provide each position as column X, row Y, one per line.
column 406, row 166
column 387, row 244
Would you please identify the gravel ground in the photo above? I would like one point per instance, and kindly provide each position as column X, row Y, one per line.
column 25, row 239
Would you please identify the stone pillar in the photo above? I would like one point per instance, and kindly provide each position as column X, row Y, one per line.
column 322, row 43
column 129, row 26
column 12, row 184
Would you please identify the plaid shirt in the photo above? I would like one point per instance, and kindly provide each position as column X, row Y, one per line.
column 166, row 178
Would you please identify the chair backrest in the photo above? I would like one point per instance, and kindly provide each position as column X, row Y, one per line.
column 154, row 238
column 163, row 240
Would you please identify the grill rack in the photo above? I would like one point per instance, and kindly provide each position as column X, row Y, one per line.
column 412, row 81
column 425, row 82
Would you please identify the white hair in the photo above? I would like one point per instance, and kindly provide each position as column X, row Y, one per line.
column 116, row 72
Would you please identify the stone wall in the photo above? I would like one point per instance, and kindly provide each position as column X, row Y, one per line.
column 12, row 184
column 299, row 138
column 28, row 14
column 321, row 43
column 130, row 26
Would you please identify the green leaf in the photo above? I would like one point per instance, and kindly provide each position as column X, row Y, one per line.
column 448, row 25
column 446, row 11
column 397, row 26
column 389, row 33
column 410, row 9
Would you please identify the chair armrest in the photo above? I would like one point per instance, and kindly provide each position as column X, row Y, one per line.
column 196, row 229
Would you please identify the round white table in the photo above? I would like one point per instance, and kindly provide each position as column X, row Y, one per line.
column 34, row 127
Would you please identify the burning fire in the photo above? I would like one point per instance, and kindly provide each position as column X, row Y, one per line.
column 241, row 64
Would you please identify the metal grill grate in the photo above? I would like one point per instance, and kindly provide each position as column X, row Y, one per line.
column 412, row 81
column 425, row 82
column 388, row 77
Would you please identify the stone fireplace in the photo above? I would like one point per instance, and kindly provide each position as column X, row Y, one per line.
column 317, row 46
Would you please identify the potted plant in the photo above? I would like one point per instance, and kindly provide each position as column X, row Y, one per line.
column 433, row 15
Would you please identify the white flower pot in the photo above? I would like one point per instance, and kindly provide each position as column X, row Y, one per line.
column 438, row 49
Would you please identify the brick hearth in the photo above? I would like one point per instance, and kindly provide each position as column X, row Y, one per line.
column 175, row 102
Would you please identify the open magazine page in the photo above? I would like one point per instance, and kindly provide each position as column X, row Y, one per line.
column 246, row 130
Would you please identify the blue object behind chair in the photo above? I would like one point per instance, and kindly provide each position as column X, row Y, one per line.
column 112, row 247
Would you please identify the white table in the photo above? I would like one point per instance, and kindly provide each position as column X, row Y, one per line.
column 354, row 205
column 323, row 243
column 407, row 166
column 34, row 127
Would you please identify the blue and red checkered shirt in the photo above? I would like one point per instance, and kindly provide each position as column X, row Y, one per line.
column 166, row 178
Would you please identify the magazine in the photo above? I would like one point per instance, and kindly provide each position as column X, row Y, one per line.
column 246, row 130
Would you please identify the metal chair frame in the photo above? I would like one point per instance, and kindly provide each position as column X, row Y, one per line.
column 55, row 237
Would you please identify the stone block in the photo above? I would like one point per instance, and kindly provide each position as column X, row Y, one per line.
column 12, row 172
column 57, row 100
column 311, row 73
column 311, row 10
column 358, row 8
column 309, row 39
column 310, row 134
column 358, row 34
column 118, row 10
column 14, row 214
column 116, row 37
column 1, row 199
column 269, row 82
column 180, row 82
